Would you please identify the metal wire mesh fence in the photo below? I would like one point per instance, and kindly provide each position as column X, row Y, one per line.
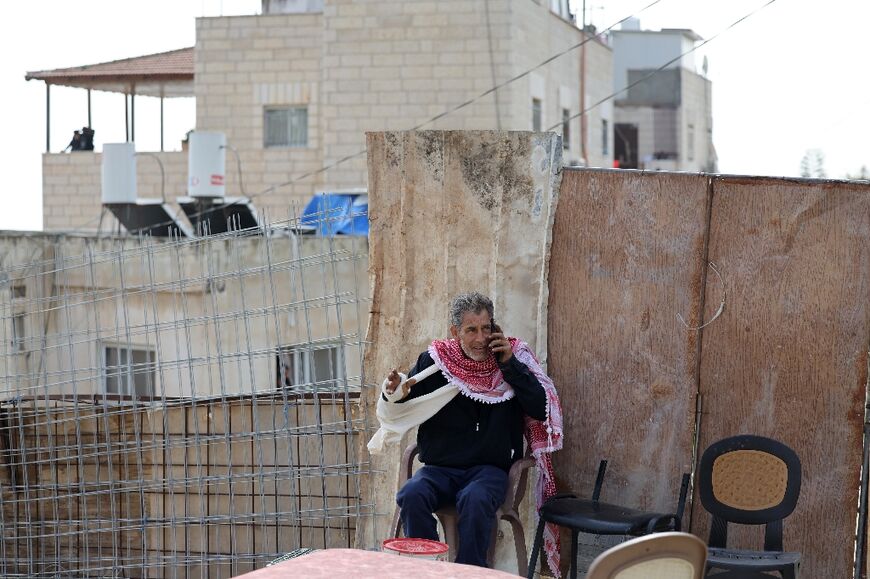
column 179, row 408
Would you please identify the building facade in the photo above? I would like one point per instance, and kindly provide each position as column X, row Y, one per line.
column 664, row 119
column 295, row 89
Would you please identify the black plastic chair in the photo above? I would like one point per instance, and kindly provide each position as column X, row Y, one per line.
column 596, row 517
column 749, row 480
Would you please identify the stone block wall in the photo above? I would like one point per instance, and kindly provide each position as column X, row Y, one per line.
column 71, row 187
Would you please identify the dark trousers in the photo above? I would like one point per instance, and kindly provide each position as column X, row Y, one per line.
column 477, row 492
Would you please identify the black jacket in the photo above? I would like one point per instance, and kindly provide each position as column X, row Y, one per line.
column 468, row 433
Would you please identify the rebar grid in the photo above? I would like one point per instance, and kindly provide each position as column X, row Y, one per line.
column 179, row 408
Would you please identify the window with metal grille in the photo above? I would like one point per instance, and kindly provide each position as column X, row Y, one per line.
column 19, row 332
column 316, row 367
column 129, row 370
column 537, row 120
column 566, row 129
column 285, row 127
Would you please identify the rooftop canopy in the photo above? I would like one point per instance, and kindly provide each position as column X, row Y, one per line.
column 167, row 74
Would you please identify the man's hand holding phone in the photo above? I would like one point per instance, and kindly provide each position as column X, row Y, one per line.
column 500, row 345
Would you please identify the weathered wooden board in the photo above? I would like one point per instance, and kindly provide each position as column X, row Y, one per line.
column 627, row 257
column 450, row 212
column 788, row 358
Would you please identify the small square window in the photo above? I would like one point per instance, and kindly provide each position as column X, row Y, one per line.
column 19, row 291
column 129, row 371
column 537, row 119
column 285, row 127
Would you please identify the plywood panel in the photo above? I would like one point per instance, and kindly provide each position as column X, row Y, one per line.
column 627, row 256
column 788, row 358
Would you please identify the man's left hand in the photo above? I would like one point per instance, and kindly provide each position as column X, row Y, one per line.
column 500, row 347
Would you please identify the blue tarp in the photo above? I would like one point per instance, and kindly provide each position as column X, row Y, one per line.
column 336, row 213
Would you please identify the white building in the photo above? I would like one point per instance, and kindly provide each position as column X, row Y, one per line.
column 663, row 121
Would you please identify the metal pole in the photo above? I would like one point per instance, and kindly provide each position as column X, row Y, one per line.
column 126, row 120
column 90, row 125
column 133, row 115
column 161, row 120
column 583, row 152
column 47, row 118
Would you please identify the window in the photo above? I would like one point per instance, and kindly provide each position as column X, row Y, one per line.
column 19, row 334
column 285, row 127
column 690, row 143
column 310, row 367
column 605, row 136
column 19, row 291
column 566, row 129
column 537, row 120
column 129, row 370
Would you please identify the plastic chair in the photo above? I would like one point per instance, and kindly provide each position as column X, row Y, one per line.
column 508, row 511
column 750, row 480
column 596, row 517
column 659, row 556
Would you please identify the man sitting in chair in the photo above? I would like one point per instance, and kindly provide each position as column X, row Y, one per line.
column 487, row 391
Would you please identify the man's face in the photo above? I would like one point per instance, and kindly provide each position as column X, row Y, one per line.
column 473, row 334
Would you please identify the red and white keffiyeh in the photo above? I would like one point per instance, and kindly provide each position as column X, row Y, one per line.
column 484, row 382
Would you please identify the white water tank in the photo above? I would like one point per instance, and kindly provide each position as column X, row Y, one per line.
column 119, row 173
column 206, row 167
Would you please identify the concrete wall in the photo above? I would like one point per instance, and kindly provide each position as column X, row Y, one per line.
column 537, row 34
column 697, row 111
column 453, row 212
column 215, row 312
column 390, row 65
column 71, row 187
column 638, row 49
column 244, row 64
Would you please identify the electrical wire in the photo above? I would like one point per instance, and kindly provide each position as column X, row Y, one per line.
column 273, row 188
column 662, row 67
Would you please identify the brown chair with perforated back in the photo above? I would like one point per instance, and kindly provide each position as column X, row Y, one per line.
column 508, row 511
column 750, row 480
column 668, row 555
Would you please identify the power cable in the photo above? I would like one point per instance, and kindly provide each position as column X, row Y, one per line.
column 271, row 189
column 663, row 67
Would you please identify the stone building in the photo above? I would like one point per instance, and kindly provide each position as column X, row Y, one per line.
column 295, row 89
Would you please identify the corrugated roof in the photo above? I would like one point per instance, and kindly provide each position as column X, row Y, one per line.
column 168, row 73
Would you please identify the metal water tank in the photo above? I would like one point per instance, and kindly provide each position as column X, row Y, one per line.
column 206, row 164
column 119, row 173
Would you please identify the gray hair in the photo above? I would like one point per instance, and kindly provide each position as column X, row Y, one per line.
column 473, row 302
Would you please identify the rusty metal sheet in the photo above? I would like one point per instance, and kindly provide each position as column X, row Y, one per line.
column 788, row 357
column 627, row 257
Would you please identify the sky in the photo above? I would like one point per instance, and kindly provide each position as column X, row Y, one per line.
column 789, row 79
